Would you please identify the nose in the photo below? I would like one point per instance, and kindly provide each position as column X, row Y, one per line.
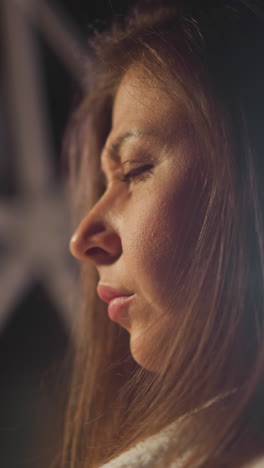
column 95, row 241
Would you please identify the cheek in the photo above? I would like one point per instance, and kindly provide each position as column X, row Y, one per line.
column 149, row 247
column 159, row 240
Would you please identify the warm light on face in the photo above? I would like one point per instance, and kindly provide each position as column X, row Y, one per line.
column 140, row 221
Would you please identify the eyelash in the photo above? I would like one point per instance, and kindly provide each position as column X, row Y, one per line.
column 139, row 173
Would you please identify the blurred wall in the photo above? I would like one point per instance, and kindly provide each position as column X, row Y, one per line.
column 36, row 92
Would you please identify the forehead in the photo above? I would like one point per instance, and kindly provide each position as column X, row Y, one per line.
column 140, row 99
column 142, row 103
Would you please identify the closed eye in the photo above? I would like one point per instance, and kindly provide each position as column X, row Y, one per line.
column 138, row 173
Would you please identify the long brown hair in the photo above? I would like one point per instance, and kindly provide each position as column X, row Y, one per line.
column 208, row 55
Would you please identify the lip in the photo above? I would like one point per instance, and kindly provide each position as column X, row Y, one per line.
column 117, row 300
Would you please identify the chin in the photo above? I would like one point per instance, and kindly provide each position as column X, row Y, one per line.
column 144, row 354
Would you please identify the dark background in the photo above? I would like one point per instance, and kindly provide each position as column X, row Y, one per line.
column 35, row 337
column 60, row 87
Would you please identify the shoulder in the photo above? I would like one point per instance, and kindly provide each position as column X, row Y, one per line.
column 258, row 463
column 146, row 453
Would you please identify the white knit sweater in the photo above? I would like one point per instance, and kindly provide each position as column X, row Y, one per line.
column 151, row 450
column 146, row 453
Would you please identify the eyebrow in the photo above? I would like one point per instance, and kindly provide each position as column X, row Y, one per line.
column 114, row 148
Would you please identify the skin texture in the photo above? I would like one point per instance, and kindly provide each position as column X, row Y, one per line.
column 136, row 234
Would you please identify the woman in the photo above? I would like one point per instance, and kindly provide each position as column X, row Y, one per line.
column 170, row 237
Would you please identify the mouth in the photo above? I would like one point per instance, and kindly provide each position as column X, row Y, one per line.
column 118, row 301
column 118, row 308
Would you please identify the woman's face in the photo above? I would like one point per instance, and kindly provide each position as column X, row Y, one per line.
column 136, row 233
